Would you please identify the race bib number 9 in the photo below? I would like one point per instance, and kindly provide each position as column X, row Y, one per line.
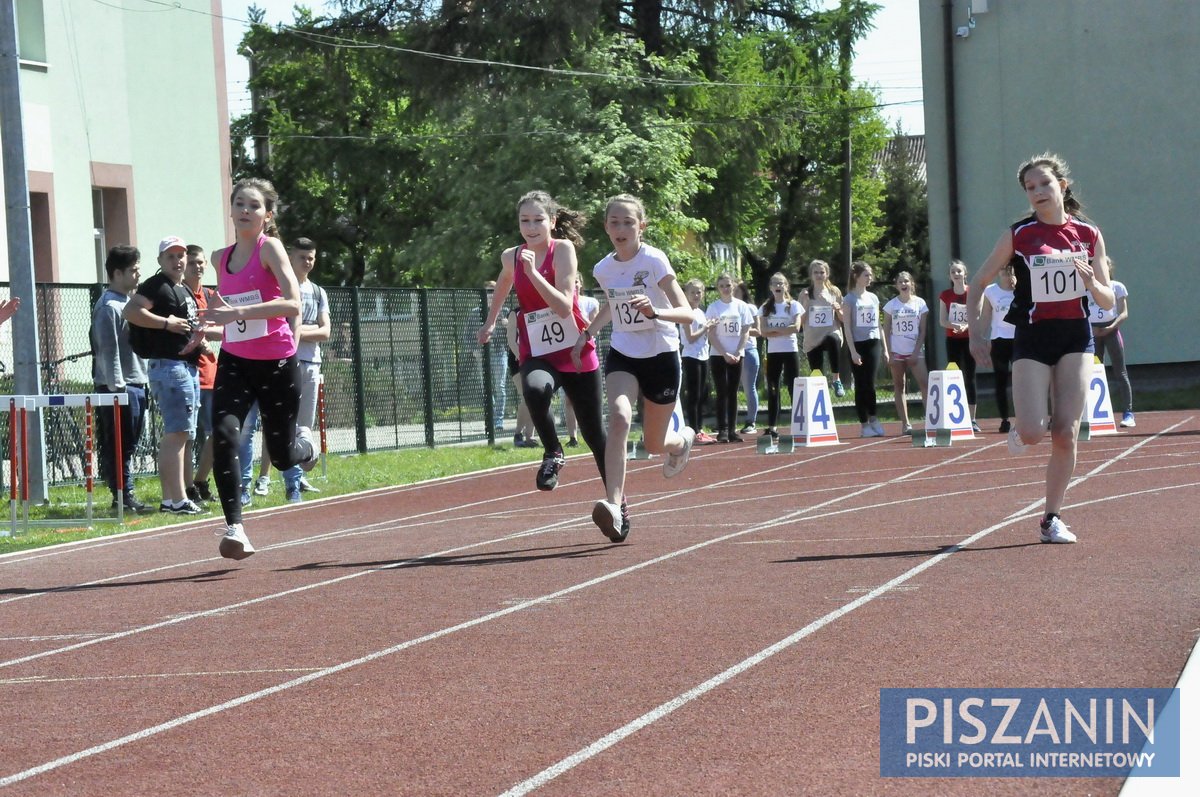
column 1053, row 278
column 866, row 316
column 625, row 318
column 957, row 313
column 549, row 332
column 821, row 316
column 247, row 329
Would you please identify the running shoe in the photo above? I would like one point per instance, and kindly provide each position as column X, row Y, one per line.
column 245, row 496
column 202, row 489
column 305, row 487
column 1015, row 445
column 1055, row 530
column 878, row 427
column 624, row 519
column 1127, row 421
column 734, row 437
column 705, row 439
column 839, row 389
column 293, row 495
column 547, row 477
column 234, row 542
column 303, row 433
column 132, row 504
column 262, row 485
column 868, row 430
column 607, row 516
column 192, row 494
column 572, row 443
column 184, row 507
column 1005, row 426
column 747, row 429
column 975, row 428
column 906, row 429
column 675, row 463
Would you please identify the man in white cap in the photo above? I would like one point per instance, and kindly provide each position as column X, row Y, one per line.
column 163, row 317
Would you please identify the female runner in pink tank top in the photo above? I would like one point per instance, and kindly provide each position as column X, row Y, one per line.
column 543, row 271
column 257, row 303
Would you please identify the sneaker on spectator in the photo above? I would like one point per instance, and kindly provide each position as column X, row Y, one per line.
column 192, row 494
column 839, row 389
column 293, row 495
column 734, row 437
column 547, row 477
column 878, row 427
column 184, row 507
column 675, row 463
column 572, row 443
column 906, row 429
column 132, row 504
column 305, row 487
column 1127, row 420
column 1005, row 426
column 1054, row 530
column 245, row 496
column 722, row 437
column 314, row 451
column 262, row 485
column 868, row 430
column 975, row 428
column 747, row 429
column 202, row 489
column 234, row 542
column 705, row 439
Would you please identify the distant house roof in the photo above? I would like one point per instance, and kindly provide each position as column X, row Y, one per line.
column 910, row 147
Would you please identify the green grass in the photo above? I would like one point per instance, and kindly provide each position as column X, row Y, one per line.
column 349, row 474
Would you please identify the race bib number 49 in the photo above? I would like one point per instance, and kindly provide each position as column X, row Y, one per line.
column 1053, row 278
column 247, row 329
column 550, row 332
column 625, row 318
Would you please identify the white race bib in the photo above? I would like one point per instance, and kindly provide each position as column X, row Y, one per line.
column 906, row 325
column 778, row 322
column 957, row 313
column 1098, row 315
column 820, row 315
column 866, row 316
column 624, row 317
column 1053, row 278
column 247, row 329
column 549, row 332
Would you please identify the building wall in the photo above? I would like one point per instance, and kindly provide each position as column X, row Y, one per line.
column 135, row 101
column 1111, row 86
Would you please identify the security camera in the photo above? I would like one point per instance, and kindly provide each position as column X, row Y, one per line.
column 963, row 32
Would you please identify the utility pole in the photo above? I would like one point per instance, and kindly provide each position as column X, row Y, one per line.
column 844, row 60
column 20, row 244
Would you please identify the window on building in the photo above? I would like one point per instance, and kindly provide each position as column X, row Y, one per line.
column 31, row 31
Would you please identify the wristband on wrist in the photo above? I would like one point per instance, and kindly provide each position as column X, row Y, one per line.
column 653, row 315
column 166, row 321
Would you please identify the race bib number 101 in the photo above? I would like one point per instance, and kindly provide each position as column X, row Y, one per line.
column 1053, row 278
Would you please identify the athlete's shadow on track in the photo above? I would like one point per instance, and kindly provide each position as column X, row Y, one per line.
column 834, row 557
column 513, row 557
column 195, row 578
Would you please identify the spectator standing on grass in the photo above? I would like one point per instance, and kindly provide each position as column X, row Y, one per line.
column 952, row 315
column 497, row 361
column 727, row 340
column 524, row 436
column 866, row 345
column 1106, row 328
column 116, row 368
column 695, row 354
column 905, row 316
column 751, row 362
column 164, row 318
column 258, row 303
column 1062, row 262
column 997, row 298
column 822, row 303
column 780, row 317
column 197, row 458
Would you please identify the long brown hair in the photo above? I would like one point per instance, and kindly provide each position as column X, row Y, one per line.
column 1058, row 167
column 566, row 224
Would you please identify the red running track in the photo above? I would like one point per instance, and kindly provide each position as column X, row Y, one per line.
column 474, row 636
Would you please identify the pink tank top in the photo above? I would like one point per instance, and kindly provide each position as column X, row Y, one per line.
column 257, row 339
column 529, row 299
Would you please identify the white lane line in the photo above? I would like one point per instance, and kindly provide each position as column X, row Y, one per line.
column 667, row 708
column 45, row 679
column 547, row 598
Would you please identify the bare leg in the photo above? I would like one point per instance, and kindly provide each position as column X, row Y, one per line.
column 1069, row 393
column 622, row 391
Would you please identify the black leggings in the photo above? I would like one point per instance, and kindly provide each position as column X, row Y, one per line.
column 785, row 364
column 1002, row 349
column 541, row 381
column 864, row 378
column 275, row 385
column 726, row 378
column 1115, row 347
column 695, row 390
column 958, row 351
column 832, row 344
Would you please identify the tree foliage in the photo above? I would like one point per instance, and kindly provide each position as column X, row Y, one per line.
column 402, row 132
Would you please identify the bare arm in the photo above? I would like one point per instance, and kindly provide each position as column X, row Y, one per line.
column 981, row 348
column 504, row 283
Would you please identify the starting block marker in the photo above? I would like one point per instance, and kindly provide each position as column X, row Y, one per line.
column 635, row 449
column 784, row 444
column 947, row 416
column 1098, row 418
column 813, row 423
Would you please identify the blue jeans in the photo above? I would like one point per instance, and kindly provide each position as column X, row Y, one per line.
column 133, row 420
column 176, row 388
column 750, row 367
column 246, row 452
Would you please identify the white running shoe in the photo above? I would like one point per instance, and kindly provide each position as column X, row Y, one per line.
column 1128, row 421
column 235, row 544
column 262, row 485
column 868, row 430
column 878, row 427
column 305, row 434
column 1056, row 531
column 607, row 516
column 675, row 463
column 1015, row 446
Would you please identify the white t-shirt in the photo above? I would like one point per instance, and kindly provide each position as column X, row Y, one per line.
column 699, row 349
column 783, row 314
column 1000, row 300
column 732, row 318
column 643, row 272
column 589, row 306
column 1097, row 314
column 905, row 324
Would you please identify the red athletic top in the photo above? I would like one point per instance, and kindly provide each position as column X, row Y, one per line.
column 949, row 297
column 1032, row 237
column 529, row 299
